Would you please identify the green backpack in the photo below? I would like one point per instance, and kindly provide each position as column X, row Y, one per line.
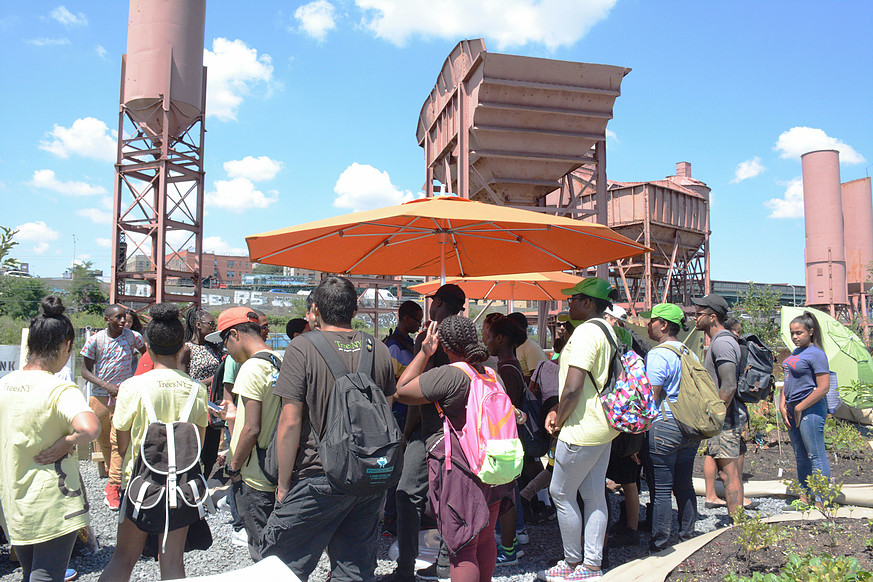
column 698, row 410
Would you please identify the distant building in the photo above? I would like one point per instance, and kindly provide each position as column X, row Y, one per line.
column 138, row 263
column 215, row 270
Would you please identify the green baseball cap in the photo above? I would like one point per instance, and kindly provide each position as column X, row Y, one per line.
column 667, row 312
column 592, row 287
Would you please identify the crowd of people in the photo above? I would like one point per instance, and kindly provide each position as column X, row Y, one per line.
column 218, row 377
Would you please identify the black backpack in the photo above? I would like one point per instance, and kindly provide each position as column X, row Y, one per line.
column 755, row 378
column 268, row 458
column 359, row 446
column 167, row 489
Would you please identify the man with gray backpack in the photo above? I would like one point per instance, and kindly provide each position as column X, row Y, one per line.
column 330, row 491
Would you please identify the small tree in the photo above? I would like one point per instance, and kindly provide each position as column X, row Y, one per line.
column 760, row 304
column 85, row 291
column 6, row 245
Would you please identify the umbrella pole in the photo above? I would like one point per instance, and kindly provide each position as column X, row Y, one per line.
column 442, row 240
column 484, row 309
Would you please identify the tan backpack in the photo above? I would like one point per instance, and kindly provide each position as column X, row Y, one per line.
column 698, row 410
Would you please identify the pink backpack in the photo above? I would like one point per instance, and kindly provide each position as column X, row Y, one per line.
column 489, row 439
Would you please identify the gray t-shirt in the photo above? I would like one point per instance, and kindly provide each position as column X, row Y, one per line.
column 724, row 348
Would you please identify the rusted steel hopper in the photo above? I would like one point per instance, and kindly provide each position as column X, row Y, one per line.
column 505, row 129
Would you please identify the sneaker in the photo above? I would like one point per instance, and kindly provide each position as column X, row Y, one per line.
column 556, row 573
column 389, row 527
column 583, row 573
column 506, row 558
column 240, row 538
column 70, row 575
column 522, row 538
column 112, row 497
column 434, row 572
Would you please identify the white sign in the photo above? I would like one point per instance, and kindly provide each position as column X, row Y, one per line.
column 9, row 356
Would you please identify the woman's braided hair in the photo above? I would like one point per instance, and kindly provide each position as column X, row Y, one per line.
column 458, row 335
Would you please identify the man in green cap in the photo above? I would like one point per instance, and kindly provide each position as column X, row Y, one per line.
column 584, row 435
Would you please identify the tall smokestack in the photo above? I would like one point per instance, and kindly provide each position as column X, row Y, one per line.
column 858, row 230
column 823, row 216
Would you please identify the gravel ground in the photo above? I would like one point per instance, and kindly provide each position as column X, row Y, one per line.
column 543, row 550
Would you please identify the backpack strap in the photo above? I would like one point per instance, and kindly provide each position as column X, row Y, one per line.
column 149, row 406
column 679, row 352
column 185, row 415
column 367, row 361
column 603, row 327
column 268, row 357
column 328, row 353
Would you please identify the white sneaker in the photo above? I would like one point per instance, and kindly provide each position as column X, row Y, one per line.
column 522, row 538
column 240, row 538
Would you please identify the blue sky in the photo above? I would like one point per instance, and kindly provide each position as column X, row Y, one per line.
column 312, row 109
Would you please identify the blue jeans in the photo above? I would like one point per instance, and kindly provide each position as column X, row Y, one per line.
column 808, row 440
column 672, row 456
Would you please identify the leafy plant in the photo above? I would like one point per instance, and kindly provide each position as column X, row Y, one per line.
column 858, row 394
column 842, row 438
column 824, row 494
column 753, row 533
column 762, row 418
column 20, row 296
column 821, row 568
column 824, row 568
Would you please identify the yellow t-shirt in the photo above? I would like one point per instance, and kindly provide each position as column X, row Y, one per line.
column 589, row 350
column 168, row 390
column 255, row 381
column 529, row 354
column 40, row 502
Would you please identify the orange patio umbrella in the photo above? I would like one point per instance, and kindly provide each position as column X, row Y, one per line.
column 518, row 287
column 445, row 236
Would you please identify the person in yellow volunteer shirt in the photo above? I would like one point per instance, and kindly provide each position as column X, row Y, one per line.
column 42, row 418
column 256, row 416
column 168, row 388
column 584, row 435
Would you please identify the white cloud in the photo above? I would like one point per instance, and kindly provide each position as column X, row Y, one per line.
column 363, row 187
column 233, row 69
column 87, row 137
column 95, row 215
column 748, row 169
column 47, row 180
column 791, row 203
column 67, row 18
column 611, row 135
column 255, row 169
column 316, row 19
column 239, row 194
column 101, row 52
column 509, row 23
column 36, row 232
column 215, row 245
column 103, row 243
column 49, row 41
column 799, row 140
